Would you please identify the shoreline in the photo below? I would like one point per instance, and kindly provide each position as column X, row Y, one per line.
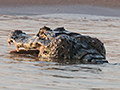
column 59, row 9
column 40, row 7
column 99, row 3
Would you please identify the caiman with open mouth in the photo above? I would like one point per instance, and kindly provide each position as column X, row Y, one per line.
column 61, row 44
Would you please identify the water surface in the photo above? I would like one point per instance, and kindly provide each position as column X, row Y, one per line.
column 19, row 72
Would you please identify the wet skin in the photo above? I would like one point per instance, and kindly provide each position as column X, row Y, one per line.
column 59, row 43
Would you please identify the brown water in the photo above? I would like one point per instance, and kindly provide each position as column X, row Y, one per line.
column 19, row 72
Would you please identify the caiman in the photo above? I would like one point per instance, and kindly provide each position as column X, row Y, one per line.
column 60, row 44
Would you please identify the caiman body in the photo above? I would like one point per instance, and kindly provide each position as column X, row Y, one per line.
column 61, row 44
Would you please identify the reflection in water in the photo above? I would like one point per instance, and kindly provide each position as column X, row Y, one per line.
column 65, row 64
column 77, row 68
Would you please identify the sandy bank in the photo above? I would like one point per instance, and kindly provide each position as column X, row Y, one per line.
column 38, row 7
column 105, row 3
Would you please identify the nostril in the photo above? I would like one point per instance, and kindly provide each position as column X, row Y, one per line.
column 11, row 40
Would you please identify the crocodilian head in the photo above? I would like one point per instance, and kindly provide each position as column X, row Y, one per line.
column 13, row 36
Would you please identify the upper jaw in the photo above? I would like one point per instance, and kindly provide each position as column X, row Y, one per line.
column 10, row 41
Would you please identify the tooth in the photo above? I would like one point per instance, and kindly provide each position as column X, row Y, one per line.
column 26, row 49
column 17, row 49
column 9, row 44
column 14, row 43
column 39, row 54
column 41, row 49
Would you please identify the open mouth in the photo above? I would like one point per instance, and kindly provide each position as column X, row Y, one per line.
column 58, row 43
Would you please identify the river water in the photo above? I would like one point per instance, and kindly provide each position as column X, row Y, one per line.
column 19, row 72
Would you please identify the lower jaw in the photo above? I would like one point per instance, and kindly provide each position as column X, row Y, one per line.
column 22, row 51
